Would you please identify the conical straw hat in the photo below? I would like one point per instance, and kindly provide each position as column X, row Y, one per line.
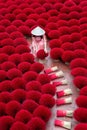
column 38, row 31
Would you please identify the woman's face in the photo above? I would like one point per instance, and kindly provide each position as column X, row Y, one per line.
column 38, row 38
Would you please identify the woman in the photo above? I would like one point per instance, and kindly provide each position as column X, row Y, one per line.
column 38, row 40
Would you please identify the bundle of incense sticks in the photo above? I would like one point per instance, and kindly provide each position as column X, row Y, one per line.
column 58, row 74
column 52, row 69
column 64, row 124
column 63, row 101
column 63, row 113
column 62, row 82
column 65, row 92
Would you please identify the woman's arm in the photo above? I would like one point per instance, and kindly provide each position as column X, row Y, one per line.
column 45, row 43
